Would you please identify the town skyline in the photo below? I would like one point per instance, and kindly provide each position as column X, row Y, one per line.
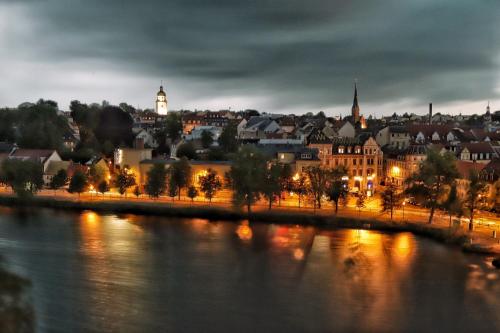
column 270, row 57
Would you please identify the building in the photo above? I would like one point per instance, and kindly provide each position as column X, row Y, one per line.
column 198, row 169
column 161, row 102
column 400, row 164
column 50, row 161
column 257, row 127
column 397, row 137
column 361, row 156
column 131, row 158
column 356, row 118
column 481, row 152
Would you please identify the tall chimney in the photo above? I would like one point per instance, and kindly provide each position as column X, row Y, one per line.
column 139, row 143
column 430, row 113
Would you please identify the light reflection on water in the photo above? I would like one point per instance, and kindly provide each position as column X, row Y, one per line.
column 111, row 273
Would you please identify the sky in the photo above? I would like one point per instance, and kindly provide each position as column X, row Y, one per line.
column 277, row 56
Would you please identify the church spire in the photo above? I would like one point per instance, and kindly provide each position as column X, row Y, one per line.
column 355, row 105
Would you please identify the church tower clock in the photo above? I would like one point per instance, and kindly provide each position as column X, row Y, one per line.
column 161, row 102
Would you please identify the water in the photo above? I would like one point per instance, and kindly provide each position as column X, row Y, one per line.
column 95, row 273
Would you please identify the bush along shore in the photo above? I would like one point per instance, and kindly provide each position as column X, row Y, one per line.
column 444, row 235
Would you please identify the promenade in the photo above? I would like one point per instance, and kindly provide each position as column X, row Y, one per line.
column 482, row 239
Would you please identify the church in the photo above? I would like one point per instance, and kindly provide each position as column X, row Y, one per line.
column 161, row 102
column 357, row 120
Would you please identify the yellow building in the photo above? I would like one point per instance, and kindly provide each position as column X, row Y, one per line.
column 403, row 163
column 361, row 156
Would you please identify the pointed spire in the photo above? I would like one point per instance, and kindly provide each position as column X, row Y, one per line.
column 355, row 105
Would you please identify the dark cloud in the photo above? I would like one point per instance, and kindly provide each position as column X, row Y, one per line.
column 295, row 54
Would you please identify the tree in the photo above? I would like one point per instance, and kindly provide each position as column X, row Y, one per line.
column 103, row 187
column 210, row 184
column 391, row 199
column 187, row 150
column 156, row 183
column 180, row 175
column 40, row 126
column 270, row 183
column 172, row 189
column 78, row 183
column 24, row 177
column 318, row 178
column 124, row 179
column 246, row 173
column 336, row 188
column 192, row 192
column 453, row 204
column 216, row 154
column 16, row 313
column 228, row 139
column 96, row 175
column 59, row 180
column 285, row 180
column 360, row 202
column 431, row 180
column 137, row 191
column 206, row 139
column 115, row 125
column 476, row 195
column 300, row 186
column 173, row 126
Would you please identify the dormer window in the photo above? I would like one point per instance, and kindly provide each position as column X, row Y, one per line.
column 349, row 150
column 305, row 156
column 341, row 150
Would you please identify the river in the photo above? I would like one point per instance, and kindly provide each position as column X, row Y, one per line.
column 108, row 273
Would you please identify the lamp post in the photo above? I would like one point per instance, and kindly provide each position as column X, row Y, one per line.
column 404, row 204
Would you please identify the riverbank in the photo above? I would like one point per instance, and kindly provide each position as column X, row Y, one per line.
column 452, row 236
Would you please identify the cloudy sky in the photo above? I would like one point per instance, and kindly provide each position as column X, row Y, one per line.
column 271, row 55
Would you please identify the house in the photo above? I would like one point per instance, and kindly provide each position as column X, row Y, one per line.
column 197, row 131
column 257, row 127
column 394, row 136
column 481, row 152
column 361, row 156
column 340, row 128
column 146, row 136
column 49, row 159
column 198, row 169
column 427, row 133
column 402, row 163
column 131, row 158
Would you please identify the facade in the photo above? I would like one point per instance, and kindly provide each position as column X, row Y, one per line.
column 361, row 156
column 198, row 169
column 396, row 137
column 403, row 163
column 131, row 158
column 161, row 102
column 480, row 152
column 49, row 159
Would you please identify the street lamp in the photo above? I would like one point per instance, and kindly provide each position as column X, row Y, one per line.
column 404, row 204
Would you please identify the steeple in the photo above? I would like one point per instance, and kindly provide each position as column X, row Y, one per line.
column 488, row 108
column 161, row 102
column 355, row 105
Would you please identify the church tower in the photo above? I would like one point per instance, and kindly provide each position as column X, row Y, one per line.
column 355, row 106
column 161, row 102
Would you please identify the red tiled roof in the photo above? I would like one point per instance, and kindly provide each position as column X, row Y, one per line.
column 464, row 167
column 39, row 155
column 478, row 147
column 428, row 130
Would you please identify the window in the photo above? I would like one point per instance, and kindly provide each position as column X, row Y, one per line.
column 345, row 161
column 348, row 150
column 354, row 161
column 341, row 150
column 305, row 156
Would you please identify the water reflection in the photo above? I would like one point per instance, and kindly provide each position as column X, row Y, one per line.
column 140, row 274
